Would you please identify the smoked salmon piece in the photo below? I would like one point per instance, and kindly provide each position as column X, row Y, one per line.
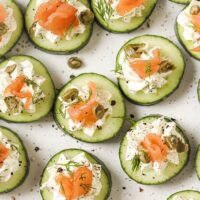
column 57, row 16
column 125, row 6
column 4, row 153
column 196, row 49
column 196, row 21
column 145, row 68
column 3, row 13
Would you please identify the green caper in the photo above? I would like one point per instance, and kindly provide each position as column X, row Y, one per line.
column 13, row 104
column 74, row 62
column 100, row 111
column 194, row 10
column 165, row 66
column 172, row 141
column 144, row 156
column 3, row 28
column 181, row 147
column 134, row 50
column 10, row 68
column 71, row 95
column 86, row 17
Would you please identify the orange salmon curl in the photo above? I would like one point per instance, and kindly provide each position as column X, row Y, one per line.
column 4, row 153
column 3, row 13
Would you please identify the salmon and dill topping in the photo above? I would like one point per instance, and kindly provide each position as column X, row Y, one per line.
column 144, row 68
column 73, row 179
column 58, row 20
column 86, row 108
column 20, row 88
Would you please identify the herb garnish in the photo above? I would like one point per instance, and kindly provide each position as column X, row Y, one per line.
column 71, row 164
column 136, row 163
column 148, row 69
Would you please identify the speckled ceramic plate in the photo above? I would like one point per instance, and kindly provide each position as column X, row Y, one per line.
column 99, row 56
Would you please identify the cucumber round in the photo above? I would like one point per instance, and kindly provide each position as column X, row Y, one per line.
column 150, row 177
column 181, row 1
column 42, row 107
column 61, row 47
column 113, row 122
column 70, row 153
column 119, row 26
column 187, row 45
column 198, row 90
column 19, row 176
column 186, row 194
column 169, row 50
column 197, row 162
column 18, row 32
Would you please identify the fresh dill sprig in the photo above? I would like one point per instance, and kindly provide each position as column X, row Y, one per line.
column 136, row 163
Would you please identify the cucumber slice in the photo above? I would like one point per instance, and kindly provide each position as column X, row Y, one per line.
column 42, row 107
column 186, row 194
column 113, row 122
column 70, row 153
column 19, row 176
column 181, row 1
column 187, row 45
column 169, row 50
column 61, row 47
column 150, row 177
column 119, row 26
column 197, row 162
column 18, row 32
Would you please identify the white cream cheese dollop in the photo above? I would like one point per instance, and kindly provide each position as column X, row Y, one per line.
column 103, row 98
column 136, row 136
column 134, row 83
column 81, row 159
column 23, row 68
column 53, row 38
column 11, row 163
column 189, row 32
column 10, row 23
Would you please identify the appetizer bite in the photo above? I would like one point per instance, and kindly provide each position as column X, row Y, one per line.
column 149, row 68
column 75, row 174
column 11, row 25
column 188, row 28
column 181, row 1
column 14, row 162
column 59, row 26
column 154, row 150
column 90, row 108
column 26, row 89
column 185, row 195
column 122, row 15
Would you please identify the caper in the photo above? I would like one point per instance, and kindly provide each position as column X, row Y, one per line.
column 134, row 50
column 181, row 147
column 70, row 95
column 144, row 156
column 3, row 28
column 86, row 17
column 165, row 66
column 74, row 62
column 172, row 141
column 10, row 68
column 194, row 10
column 12, row 104
column 100, row 111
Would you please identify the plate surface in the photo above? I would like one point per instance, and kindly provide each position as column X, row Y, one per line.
column 99, row 56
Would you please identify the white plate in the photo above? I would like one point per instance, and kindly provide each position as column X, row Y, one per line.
column 99, row 56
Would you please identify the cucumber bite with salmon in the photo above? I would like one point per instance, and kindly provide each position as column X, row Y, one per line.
column 122, row 15
column 26, row 89
column 185, row 195
column 59, row 26
column 188, row 28
column 14, row 162
column 90, row 108
column 11, row 25
column 75, row 174
column 149, row 68
column 154, row 150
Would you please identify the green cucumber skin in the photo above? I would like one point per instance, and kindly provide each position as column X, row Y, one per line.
column 157, row 183
column 198, row 91
column 20, row 34
column 27, row 160
column 159, row 100
column 125, row 31
column 182, row 192
column 53, row 51
column 45, row 114
column 95, row 158
column 197, row 169
column 181, row 1
column 66, row 131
